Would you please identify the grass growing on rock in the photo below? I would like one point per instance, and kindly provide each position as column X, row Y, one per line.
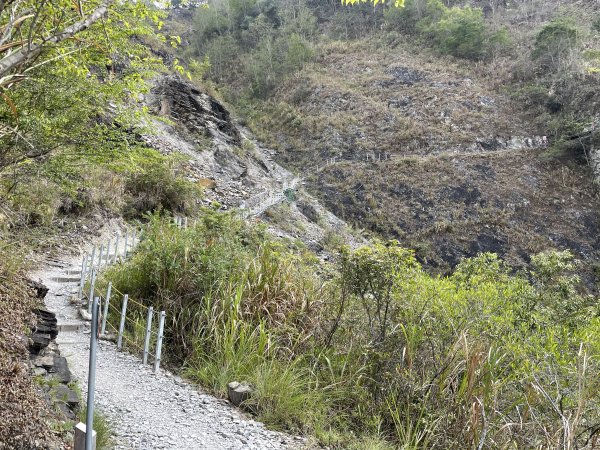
column 372, row 351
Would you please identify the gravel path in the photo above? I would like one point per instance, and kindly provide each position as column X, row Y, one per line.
column 149, row 411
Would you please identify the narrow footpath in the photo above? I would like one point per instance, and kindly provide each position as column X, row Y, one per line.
column 148, row 411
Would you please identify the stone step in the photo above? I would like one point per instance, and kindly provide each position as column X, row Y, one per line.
column 73, row 272
column 66, row 279
column 71, row 327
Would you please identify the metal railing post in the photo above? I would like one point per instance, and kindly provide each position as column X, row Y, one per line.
column 101, row 253
column 82, row 277
column 108, row 252
column 122, row 323
column 116, row 249
column 89, row 420
column 92, row 286
column 159, row 340
column 105, row 313
column 92, row 258
column 126, row 243
column 148, row 332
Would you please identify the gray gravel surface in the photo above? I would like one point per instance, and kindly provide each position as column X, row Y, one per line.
column 149, row 411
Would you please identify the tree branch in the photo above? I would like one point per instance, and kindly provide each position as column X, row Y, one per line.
column 17, row 59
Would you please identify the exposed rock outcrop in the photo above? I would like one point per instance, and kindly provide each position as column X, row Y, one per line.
column 47, row 363
column 196, row 111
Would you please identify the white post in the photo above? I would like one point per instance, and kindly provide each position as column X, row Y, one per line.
column 122, row 324
column 100, row 256
column 105, row 314
column 126, row 243
column 108, row 252
column 161, row 327
column 185, row 222
column 148, row 332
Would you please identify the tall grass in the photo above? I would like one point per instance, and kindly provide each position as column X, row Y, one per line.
column 103, row 429
column 373, row 351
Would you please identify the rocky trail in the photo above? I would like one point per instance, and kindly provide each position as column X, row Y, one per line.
column 147, row 411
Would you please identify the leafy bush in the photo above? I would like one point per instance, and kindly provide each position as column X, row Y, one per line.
column 457, row 31
column 416, row 16
column 348, row 23
column 554, row 42
column 267, row 39
column 103, row 429
column 462, row 32
column 596, row 24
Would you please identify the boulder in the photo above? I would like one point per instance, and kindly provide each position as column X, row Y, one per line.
column 239, row 392
column 60, row 369
column 44, row 331
column 85, row 315
column 40, row 289
column 199, row 113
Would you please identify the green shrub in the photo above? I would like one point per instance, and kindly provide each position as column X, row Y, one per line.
column 554, row 42
column 457, row 31
column 416, row 16
column 36, row 203
column 102, row 427
column 285, row 397
column 463, row 32
column 158, row 186
column 267, row 39
column 596, row 24
column 348, row 23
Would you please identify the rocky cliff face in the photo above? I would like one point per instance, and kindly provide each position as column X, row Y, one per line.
column 197, row 112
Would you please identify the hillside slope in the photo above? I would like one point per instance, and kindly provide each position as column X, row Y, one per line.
column 461, row 171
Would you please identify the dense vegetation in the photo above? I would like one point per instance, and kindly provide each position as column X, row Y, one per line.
column 69, row 137
column 69, row 153
column 373, row 352
column 368, row 352
column 548, row 56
